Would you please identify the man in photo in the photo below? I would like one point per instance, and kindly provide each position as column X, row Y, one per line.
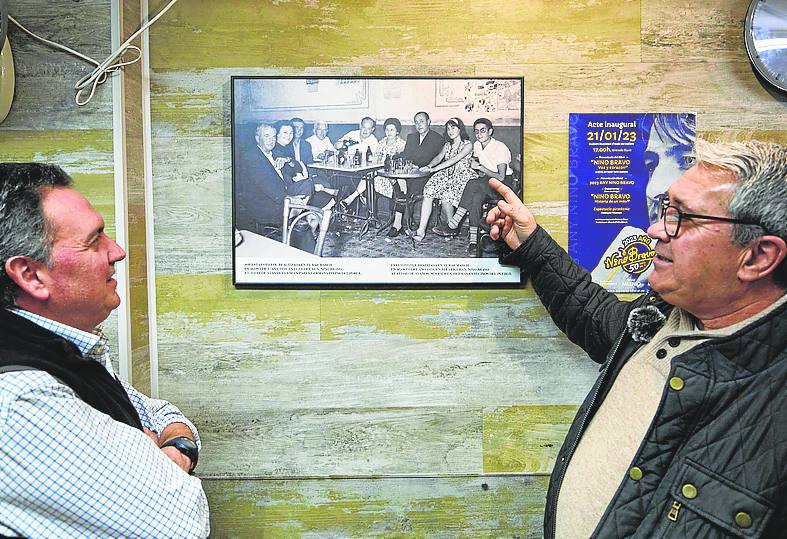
column 424, row 144
column 319, row 142
column 301, row 149
column 261, row 184
column 360, row 139
column 491, row 159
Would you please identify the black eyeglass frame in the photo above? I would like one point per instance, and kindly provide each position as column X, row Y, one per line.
column 665, row 205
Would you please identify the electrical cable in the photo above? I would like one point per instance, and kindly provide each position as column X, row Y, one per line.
column 111, row 64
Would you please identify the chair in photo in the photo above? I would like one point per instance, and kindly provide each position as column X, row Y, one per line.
column 300, row 220
column 486, row 244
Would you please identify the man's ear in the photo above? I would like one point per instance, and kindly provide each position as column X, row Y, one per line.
column 24, row 271
column 764, row 255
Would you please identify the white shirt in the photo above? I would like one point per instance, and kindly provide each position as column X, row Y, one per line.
column 68, row 470
column 369, row 142
column 494, row 154
column 319, row 146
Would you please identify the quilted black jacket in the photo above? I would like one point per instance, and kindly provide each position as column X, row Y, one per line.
column 724, row 432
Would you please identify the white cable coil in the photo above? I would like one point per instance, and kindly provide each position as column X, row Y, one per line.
column 113, row 62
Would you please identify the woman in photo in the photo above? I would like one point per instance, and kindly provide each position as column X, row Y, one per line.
column 451, row 172
column 390, row 145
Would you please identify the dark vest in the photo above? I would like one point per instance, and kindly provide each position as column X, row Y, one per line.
column 25, row 345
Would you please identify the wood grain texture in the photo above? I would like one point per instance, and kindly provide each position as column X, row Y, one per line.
column 45, row 77
column 687, row 31
column 524, row 438
column 366, row 382
column 193, row 205
column 482, row 506
column 355, row 33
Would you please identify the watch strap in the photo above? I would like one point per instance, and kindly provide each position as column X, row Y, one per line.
column 186, row 446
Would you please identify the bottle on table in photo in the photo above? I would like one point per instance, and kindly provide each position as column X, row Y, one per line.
column 369, row 155
column 387, row 163
column 341, row 159
column 357, row 157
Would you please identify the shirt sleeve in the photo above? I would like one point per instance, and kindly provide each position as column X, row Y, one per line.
column 68, row 470
column 156, row 414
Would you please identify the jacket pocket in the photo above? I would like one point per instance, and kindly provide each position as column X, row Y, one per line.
column 706, row 504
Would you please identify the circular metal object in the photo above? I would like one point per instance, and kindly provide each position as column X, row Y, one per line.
column 765, row 35
column 689, row 491
column 743, row 520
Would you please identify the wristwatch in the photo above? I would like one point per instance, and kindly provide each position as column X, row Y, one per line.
column 185, row 446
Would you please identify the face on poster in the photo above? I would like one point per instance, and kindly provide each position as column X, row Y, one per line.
column 347, row 181
column 620, row 166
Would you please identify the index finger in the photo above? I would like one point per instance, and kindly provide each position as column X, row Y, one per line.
column 504, row 190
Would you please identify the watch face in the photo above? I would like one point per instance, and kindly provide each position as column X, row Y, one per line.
column 766, row 40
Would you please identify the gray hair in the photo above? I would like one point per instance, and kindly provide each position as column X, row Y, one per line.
column 24, row 229
column 261, row 127
column 760, row 192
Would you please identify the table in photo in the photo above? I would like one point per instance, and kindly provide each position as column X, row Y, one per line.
column 354, row 172
column 251, row 245
column 411, row 176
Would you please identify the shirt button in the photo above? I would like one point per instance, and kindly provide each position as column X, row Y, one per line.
column 636, row 473
column 676, row 383
column 689, row 491
column 743, row 520
column 661, row 353
column 652, row 299
column 673, row 341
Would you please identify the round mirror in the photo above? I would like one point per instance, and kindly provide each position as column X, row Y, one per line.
column 766, row 40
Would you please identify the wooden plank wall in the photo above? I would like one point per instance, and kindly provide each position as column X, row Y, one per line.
column 374, row 412
column 399, row 413
column 44, row 123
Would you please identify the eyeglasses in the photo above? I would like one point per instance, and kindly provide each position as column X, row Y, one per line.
column 672, row 217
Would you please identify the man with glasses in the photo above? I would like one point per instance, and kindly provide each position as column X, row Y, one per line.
column 491, row 159
column 684, row 433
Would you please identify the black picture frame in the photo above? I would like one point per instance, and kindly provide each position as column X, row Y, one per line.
column 325, row 244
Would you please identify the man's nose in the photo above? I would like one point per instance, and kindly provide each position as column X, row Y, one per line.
column 657, row 232
column 116, row 253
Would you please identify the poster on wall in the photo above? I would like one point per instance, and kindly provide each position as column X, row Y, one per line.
column 371, row 181
column 620, row 165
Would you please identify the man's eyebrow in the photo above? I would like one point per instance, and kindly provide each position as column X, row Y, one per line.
column 96, row 232
column 680, row 204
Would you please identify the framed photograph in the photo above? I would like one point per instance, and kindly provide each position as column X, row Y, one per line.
column 371, row 181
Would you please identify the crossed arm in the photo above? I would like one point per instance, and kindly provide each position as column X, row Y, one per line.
column 67, row 469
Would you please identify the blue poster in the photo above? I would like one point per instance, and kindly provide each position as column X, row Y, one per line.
column 619, row 167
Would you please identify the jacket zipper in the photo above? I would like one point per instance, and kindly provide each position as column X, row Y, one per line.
column 582, row 428
column 673, row 512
